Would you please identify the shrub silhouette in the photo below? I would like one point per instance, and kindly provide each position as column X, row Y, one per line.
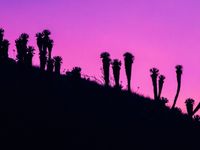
column 164, row 101
column 189, row 105
column 75, row 73
column 197, row 118
column 128, row 61
column 106, row 66
column 179, row 71
column 160, row 85
column 58, row 62
column 154, row 75
column 116, row 66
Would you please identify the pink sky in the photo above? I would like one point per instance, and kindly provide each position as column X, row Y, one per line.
column 159, row 33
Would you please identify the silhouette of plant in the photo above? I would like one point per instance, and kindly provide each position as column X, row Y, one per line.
column 50, row 46
column 106, row 66
column 161, row 103
column 42, row 53
column 76, row 72
column 160, row 85
column 18, row 44
column 44, row 42
column 1, row 35
column 197, row 118
column 29, row 56
column 4, row 46
column 39, row 41
column 46, row 33
column 179, row 70
column 50, row 65
column 116, row 66
column 21, row 45
column 50, row 62
column 58, row 62
column 128, row 61
column 154, row 75
column 144, row 117
column 196, row 109
column 189, row 105
column 164, row 100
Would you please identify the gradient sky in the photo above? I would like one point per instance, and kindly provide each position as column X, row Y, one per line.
column 159, row 33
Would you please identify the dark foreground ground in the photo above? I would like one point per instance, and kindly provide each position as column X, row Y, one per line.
column 45, row 111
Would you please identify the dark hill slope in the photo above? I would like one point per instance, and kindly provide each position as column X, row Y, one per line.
column 45, row 111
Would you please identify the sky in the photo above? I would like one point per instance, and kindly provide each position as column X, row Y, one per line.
column 158, row 33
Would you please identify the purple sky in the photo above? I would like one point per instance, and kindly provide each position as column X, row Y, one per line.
column 159, row 33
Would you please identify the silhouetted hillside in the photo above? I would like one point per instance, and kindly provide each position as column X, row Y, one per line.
column 41, row 110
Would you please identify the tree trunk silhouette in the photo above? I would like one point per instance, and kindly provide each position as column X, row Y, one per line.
column 177, row 92
column 28, row 61
column 1, row 35
column 106, row 70
column 50, row 65
column 116, row 73
column 154, row 75
column 190, row 109
column 57, row 68
column 128, row 60
column 116, row 66
column 128, row 68
column 43, row 60
column 105, row 56
column 154, row 81
column 160, row 90
column 160, row 85
column 49, row 55
column 189, row 105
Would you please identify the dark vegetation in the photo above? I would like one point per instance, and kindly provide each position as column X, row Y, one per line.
column 43, row 109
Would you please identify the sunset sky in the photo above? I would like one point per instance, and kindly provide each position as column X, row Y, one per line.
column 159, row 33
